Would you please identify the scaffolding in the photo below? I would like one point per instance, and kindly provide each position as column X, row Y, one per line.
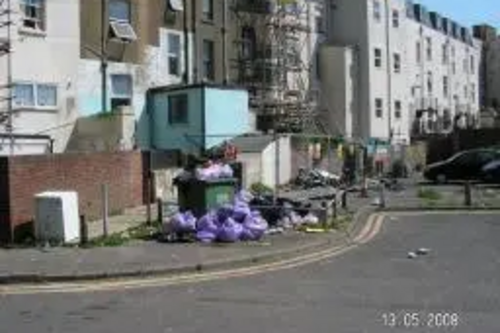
column 274, row 62
column 6, row 94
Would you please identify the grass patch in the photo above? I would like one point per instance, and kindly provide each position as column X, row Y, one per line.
column 341, row 223
column 143, row 232
column 429, row 194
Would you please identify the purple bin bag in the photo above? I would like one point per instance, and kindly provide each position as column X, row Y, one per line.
column 224, row 212
column 183, row 222
column 230, row 231
column 208, row 223
column 240, row 212
column 256, row 225
column 206, row 236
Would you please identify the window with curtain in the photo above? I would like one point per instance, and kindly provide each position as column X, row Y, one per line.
column 121, row 90
column 121, row 85
column 35, row 95
column 46, row 95
column 174, row 54
column 208, row 60
column 24, row 95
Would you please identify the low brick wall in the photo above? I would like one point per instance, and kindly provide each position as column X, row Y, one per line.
column 22, row 177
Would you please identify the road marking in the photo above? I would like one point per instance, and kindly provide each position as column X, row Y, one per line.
column 370, row 230
column 445, row 212
column 377, row 226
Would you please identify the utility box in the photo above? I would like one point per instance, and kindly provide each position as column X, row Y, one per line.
column 57, row 219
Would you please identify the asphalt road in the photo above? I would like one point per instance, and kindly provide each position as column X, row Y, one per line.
column 455, row 288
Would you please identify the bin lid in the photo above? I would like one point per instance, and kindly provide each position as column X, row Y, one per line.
column 220, row 181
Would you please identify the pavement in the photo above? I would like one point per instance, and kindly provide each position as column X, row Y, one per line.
column 153, row 258
column 129, row 219
column 374, row 288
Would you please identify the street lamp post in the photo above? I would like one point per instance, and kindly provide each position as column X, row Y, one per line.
column 104, row 57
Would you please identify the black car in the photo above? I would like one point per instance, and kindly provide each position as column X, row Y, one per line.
column 466, row 165
column 491, row 172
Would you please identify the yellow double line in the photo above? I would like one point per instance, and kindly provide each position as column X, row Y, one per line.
column 369, row 231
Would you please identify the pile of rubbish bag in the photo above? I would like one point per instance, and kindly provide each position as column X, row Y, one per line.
column 213, row 171
column 284, row 214
column 227, row 224
column 249, row 218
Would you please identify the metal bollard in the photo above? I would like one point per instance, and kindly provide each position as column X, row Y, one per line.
column 334, row 209
column 344, row 199
column 382, row 195
column 105, row 209
column 468, row 194
column 159, row 205
column 84, row 231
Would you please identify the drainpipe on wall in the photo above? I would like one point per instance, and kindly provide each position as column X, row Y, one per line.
column 195, row 41
column 389, row 68
column 224, row 42
column 103, row 57
column 187, row 67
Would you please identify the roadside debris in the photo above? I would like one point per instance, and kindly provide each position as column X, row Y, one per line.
column 420, row 252
column 423, row 251
column 412, row 255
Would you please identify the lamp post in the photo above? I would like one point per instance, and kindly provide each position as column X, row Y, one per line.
column 104, row 57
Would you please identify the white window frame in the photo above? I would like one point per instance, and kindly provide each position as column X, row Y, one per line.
column 418, row 52
column 36, row 105
column 398, row 109
column 395, row 18
column 379, row 108
column 208, row 10
column 114, row 95
column 377, row 10
column 446, row 86
column 37, row 21
column 428, row 48
column 377, row 54
column 205, row 60
column 397, row 62
column 171, row 54
column 446, row 56
column 430, row 82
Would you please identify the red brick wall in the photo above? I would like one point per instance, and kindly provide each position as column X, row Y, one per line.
column 83, row 173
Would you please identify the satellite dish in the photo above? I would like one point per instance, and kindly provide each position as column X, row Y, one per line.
column 177, row 5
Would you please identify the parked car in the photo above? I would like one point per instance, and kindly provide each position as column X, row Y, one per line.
column 491, row 172
column 466, row 165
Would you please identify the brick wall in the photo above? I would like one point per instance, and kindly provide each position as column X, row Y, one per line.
column 83, row 173
column 4, row 200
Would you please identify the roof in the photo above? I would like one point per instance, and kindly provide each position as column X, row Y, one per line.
column 252, row 143
column 180, row 87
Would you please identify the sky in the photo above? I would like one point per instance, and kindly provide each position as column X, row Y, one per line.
column 467, row 12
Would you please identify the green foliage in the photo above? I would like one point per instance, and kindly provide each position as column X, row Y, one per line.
column 259, row 189
column 142, row 232
column 429, row 194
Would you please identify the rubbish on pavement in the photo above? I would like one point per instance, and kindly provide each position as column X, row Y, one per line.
column 310, row 219
column 275, row 231
column 206, row 236
column 230, row 231
column 214, row 171
column 316, row 230
column 412, row 255
column 423, row 251
column 183, row 222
